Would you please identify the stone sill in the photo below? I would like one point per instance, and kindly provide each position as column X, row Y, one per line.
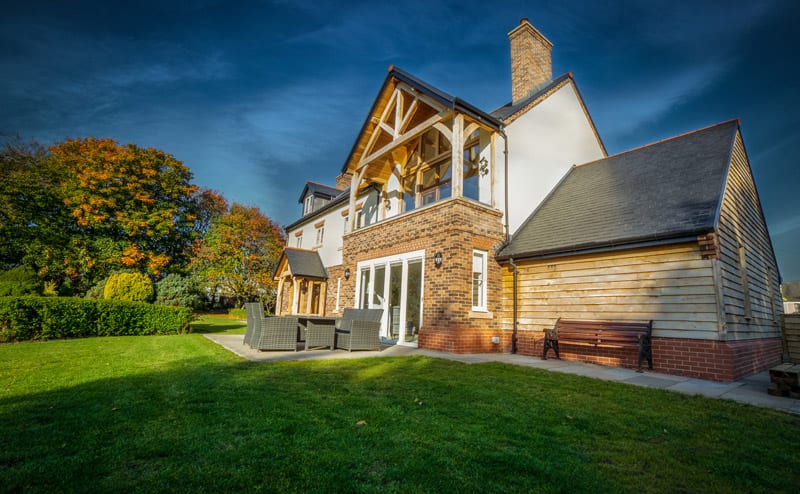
column 481, row 315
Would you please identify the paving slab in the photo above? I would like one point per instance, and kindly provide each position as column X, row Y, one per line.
column 648, row 381
column 710, row 389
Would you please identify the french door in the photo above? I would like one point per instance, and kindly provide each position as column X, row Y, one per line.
column 395, row 285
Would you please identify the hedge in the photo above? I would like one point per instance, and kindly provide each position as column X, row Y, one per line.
column 47, row 318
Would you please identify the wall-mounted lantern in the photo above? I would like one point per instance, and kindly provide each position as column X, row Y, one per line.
column 347, row 274
column 437, row 259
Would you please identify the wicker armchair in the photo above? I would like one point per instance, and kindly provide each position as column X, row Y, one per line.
column 255, row 312
column 350, row 315
column 363, row 335
column 320, row 334
column 277, row 333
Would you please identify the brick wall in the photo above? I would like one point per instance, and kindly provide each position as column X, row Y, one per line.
column 334, row 274
column 715, row 360
column 453, row 227
column 531, row 63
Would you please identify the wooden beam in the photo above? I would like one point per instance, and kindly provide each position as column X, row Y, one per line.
column 458, row 155
column 472, row 127
column 447, row 133
column 401, row 140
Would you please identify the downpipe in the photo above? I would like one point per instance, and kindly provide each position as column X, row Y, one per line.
column 514, row 303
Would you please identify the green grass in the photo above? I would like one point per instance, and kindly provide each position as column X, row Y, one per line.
column 220, row 324
column 179, row 413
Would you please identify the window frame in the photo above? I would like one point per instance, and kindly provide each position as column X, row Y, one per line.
column 482, row 291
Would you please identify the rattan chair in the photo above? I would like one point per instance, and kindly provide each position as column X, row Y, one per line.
column 320, row 335
column 255, row 312
column 277, row 333
column 359, row 329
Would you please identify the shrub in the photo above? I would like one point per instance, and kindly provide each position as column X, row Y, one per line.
column 130, row 287
column 19, row 281
column 45, row 318
column 96, row 292
column 181, row 291
column 240, row 313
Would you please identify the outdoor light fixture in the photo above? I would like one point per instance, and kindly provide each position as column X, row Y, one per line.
column 347, row 274
column 437, row 259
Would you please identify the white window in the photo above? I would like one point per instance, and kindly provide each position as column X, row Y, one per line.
column 308, row 204
column 320, row 234
column 346, row 223
column 478, row 280
column 299, row 241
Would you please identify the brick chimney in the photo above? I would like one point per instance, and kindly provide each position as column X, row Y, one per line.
column 531, row 64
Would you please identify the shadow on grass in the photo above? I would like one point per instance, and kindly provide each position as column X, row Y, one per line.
column 428, row 426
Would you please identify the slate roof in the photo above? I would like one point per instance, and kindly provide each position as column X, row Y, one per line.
column 304, row 263
column 661, row 192
column 510, row 108
column 318, row 190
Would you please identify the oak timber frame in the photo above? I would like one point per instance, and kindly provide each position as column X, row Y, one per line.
column 395, row 123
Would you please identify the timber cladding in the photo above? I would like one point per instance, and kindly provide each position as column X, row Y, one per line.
column 791, row 337
column 670, row 285
column 749, row 273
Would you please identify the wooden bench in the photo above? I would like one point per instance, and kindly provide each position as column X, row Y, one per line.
column 602, row 334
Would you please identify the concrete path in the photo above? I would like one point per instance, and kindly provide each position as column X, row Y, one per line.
column 752, row 390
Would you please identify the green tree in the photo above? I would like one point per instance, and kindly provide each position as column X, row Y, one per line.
column 238, row 255
column 35, row 229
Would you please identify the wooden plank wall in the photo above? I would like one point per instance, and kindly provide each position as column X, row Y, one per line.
column 791, row 336
column 671, row 285
column 741, row 223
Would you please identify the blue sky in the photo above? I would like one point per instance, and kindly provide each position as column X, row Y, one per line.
column 257, row 97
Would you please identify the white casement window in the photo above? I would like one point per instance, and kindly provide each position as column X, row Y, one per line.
column 299, row 241
column 320, row 234
column 478, row 280
column 308, row 204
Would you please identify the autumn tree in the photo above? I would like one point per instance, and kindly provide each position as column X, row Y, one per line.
column 134, row 207
column 238, row 254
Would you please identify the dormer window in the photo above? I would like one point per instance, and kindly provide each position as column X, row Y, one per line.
column 308, row 204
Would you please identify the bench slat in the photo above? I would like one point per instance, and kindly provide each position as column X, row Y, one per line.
column 602, row 333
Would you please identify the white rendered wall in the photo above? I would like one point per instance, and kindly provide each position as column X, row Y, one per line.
column 331, row 249
column 542, row 146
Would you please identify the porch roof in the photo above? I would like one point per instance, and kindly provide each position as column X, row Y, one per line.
column 662, row 192
column 302, row 262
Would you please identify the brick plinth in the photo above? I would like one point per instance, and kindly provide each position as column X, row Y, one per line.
column 715, row 360
column 723, row 361
column 461, row 340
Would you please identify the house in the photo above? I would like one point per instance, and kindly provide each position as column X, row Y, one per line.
column 419, row 224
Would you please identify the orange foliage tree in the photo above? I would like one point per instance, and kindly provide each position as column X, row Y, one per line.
column 134, row 207
column 238, row 254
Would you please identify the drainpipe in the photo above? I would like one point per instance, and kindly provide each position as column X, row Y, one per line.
column 514, row 333
column 508, row 237
column 505, row 178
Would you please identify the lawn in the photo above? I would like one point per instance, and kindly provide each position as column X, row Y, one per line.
column 179, row 413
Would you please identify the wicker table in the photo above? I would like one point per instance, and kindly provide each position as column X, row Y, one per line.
column 320, row 332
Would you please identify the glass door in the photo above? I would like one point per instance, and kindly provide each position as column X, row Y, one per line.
column 394, row 284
